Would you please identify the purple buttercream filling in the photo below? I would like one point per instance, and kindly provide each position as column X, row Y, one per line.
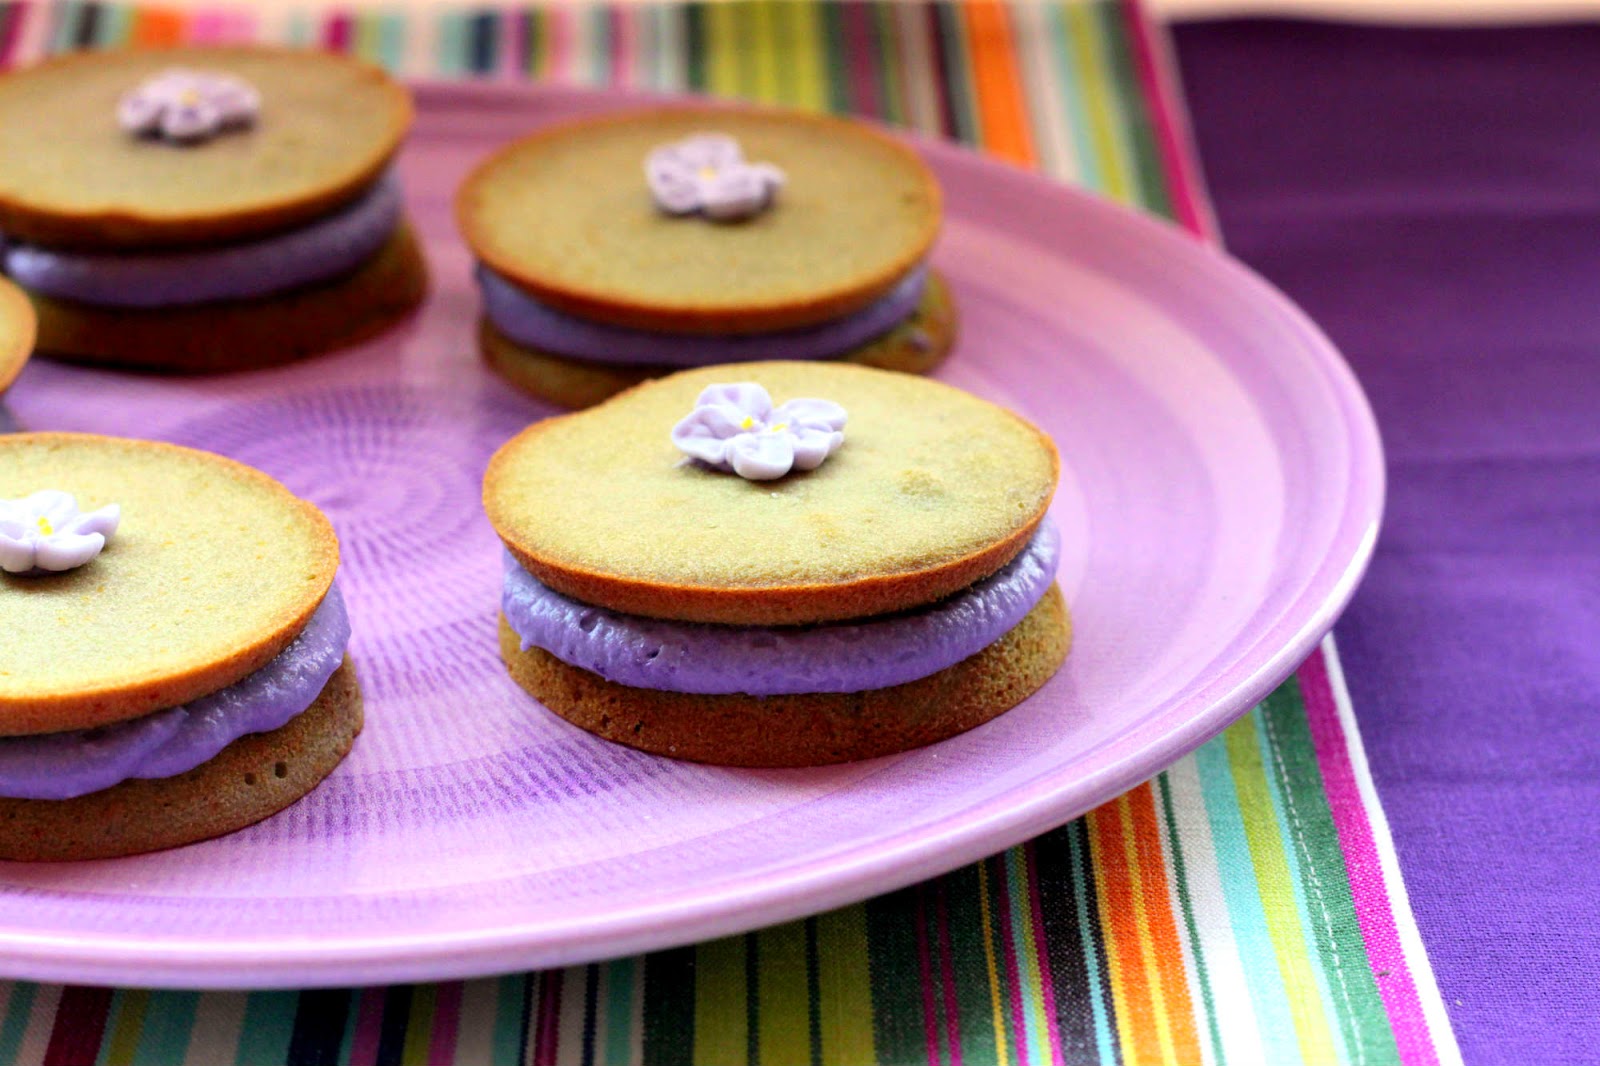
column 525, row 320
column 58, row 766
column 875, row 653
column 332, row 245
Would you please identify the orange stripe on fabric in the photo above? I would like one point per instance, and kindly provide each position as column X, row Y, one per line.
column 153, row 26
column 1161, row 925
column 1130, row 990
column 997, row 84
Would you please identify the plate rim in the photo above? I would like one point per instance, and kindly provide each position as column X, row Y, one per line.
column 843, row 877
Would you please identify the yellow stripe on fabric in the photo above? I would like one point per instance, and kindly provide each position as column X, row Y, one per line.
column 1082, row 30
column 844, row 988
column 120, row 1045
column 722, row 48
column 721, row 1031
column 419, row 1026
column 1137, row 875
column 800, row 35
column 766, row 55
column 783, row 1027
column 1277, row 893
column 997, row 999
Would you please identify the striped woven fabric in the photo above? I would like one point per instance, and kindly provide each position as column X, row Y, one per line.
column 1243, row 907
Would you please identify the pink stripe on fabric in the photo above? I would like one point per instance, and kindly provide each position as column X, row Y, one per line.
column 1047, row 984
column 947, row 976
column 860, row 58
column 446, row 1024
column 1367, row 886
column 208, row 27
column 547, row 1036
column 12, row 33
column 559, row 22
column 1000, row 892
column 1171, row 128
column 930, row 1008
column 337, row 31
column 369, row 1028
column 624, row 70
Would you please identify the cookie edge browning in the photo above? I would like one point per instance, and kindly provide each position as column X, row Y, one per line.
column 575, row 383
column 59, row 712
column 14, row 302
column 616, row 309
column 764, row 604
column 249, row 334
column 119, row 230
column 143, row 815
column 815, row 729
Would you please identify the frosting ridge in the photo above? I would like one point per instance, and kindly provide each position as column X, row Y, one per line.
column 57, row 766
column 527, row 321
column 856, row 656
column 325, row 248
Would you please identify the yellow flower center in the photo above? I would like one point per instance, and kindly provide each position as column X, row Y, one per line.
column 189, row 97
column 779, row 428
column 45, row 527
column 748, row 423
column 707, row 173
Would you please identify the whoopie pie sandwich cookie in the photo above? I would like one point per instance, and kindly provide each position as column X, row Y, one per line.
column 780, row 564
column 173, row 664
column 616, row 249
column 205, row 208
column 17, row 330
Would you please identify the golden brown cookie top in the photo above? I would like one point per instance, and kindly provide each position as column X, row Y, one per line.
column 18, row 328
column 71, row 177
column 931, row 490
column 567, row 214
column 213, row 569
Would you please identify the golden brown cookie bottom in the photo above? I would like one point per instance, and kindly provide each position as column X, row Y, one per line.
column 242, row 334
column 916, row 346
column 811, row 729
column 252, row 778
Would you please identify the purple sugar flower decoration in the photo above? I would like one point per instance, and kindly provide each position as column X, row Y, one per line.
column 46, row 533
column 707, row 173
column 735, row 428
column 187, row 106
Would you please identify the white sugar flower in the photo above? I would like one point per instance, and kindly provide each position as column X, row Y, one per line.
column 45, row 533
column 707, row 173
column 735, row 428
column 188, row 105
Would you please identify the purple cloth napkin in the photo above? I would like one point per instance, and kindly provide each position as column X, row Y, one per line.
column 1432, row 198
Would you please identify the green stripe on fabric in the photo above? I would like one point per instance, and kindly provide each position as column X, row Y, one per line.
column 960, row 93
column 168, row 1021
column 1149, row 177
column 268, row 1025
column 897, row 991
column 669, row 999
column 14, row 1024
column 1363, row 1021
column 958, row 921
column 450, row 55
column 888, row 68
column 1191, row 933
column 510, row 1018
column 621, row 981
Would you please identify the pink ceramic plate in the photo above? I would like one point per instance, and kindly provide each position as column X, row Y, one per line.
column 1220, row 494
